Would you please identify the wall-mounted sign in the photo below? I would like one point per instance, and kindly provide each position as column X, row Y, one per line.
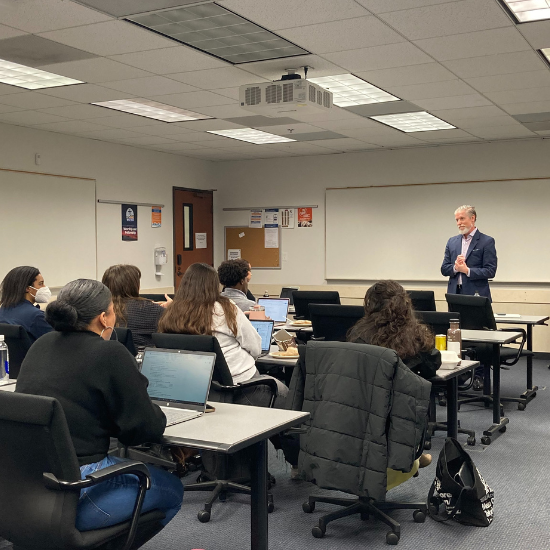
column 129, row 222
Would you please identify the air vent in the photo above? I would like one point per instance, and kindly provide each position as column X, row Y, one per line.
column 253, row 96
column 319, row 97
column 273, row 93
column 288, row 92
column 326, row 100
column 312, row 94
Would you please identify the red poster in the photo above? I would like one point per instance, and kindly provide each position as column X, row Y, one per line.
column 305, row 217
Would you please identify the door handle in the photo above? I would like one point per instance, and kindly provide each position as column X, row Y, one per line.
column 179, row 259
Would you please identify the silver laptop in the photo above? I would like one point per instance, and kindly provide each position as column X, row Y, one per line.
column 265, row 330
column 275, row 308
column 179, row 381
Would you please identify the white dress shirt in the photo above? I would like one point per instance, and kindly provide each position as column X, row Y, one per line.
column 466, row 241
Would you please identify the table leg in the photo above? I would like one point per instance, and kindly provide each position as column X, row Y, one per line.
column 452, row 407
column 531, row 392
column 258, row 513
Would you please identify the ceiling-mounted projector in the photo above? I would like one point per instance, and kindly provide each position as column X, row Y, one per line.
column 283, row 97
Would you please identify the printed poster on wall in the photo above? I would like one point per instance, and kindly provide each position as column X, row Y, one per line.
column 156, row 216
column 271, row 237
column 256, row 219
column 200, row 240
column 287, row 218
column 233, row 253
column 305, row 217
column 271, row 217
column 129, row 222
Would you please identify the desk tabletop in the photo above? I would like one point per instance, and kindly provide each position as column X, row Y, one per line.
column 490, row 336
column 442, row 375
column 522, row 319
column 7, row 385
column 289, row 327
column 232, row 427
column 282, row 361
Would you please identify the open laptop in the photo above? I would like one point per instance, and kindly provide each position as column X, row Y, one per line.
column 275, row 308
column 179, row 381
column 265, row 330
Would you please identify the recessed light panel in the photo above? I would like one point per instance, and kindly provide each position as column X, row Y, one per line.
column 546, row 53
column 529, row 10
column 414, row 122
column 251, row 136
column 349, row 90
column 31, row 78
column 219, row 32
column 152, row 109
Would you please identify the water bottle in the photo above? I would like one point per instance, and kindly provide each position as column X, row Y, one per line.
column 476, row 294
column 4, row 363
column 266, row 294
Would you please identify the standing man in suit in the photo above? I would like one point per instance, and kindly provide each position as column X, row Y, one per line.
column 470, row 258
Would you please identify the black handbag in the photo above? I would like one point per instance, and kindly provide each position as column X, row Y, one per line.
column 459, row 486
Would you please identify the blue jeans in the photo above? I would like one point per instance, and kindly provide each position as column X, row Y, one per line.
column 112, row 501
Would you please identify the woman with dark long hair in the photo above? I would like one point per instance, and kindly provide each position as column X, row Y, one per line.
column 140, row 315
column 21, row 288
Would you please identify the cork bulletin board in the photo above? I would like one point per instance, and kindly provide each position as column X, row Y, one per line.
column 251, row 243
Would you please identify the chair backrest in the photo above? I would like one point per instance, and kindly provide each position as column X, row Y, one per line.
column 18, row 342
column 438, row 321
column 155, row 297
column 124, row 336
column 422, row 300
column 302, row 299
column 36, row 440
column 193, row 342
column 476, row 312
column 332, row 322
column 286, row 292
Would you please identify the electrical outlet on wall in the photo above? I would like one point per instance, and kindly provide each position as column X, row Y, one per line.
column 285, row 256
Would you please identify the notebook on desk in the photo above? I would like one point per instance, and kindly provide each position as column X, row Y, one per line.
column 179, row 381
column 275, row 308
column 265, row 330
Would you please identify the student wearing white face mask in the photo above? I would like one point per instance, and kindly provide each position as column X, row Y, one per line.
column 21, row 288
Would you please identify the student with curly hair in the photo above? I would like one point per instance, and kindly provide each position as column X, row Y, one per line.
column 233, row 276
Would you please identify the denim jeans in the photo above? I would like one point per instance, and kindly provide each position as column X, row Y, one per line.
column 112, row 501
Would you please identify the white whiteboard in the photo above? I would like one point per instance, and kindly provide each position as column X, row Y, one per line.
column 400, row 232
column 48, row 222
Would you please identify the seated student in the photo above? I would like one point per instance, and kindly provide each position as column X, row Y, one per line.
column 249, row 294
column 103, row 395
column 21, row 288
column 138, row 314
column 233, row 276
column 199, row 308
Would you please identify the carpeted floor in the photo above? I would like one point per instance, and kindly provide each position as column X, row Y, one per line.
column 514, row 466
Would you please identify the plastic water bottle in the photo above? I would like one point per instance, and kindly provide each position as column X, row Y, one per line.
column 476, row 294
column 4, row 361
column 266, row 294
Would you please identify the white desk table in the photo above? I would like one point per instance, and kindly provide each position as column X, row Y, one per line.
column 10, row 386
column 234, row 427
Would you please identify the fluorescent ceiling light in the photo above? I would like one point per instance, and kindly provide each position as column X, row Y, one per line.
column 348, row 90
column 546, row 53
column 152, row 109
column 31, row 78
column 217, row 31
column 414, row 122
column 529, row 10
column 250, row 135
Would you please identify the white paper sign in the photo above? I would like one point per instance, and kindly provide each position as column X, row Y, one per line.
column 271, row 217
column 241, row 235
column 200, row 240
column 233, row 253
column 287, row 218
column 256, row 219
column 271, row 237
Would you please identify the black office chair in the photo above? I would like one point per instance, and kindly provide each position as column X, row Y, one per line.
column 476, row 313
column 222, row 389
column 302, row 299
column 40, row 483
column 18, row 342
column 332, row 322
column 439, row 321
column 422, row 300
column 124, row 336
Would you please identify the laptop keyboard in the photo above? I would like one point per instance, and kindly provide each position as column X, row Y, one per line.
column 175, row 416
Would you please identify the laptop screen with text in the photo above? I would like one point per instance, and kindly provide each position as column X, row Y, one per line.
column 265, row 330
column 275, row 308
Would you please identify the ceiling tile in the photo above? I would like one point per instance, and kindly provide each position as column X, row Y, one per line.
column 505, row 63
column 456, row 102
column 473, row 44
column 336, row 36
column 121, row 8
column 448, row 18
column 166, row 130
column 342, row 126
column 505, row 82
column 78, row 112
column 524, row 107
column 212, row 79
column 285, row 14
column 502, row 132
column 537, row 33
column 231, row 110
column 170, row 60
column 402, row 140
column 257, row 121
column 9, row 32
column 441, row 134
column 434, row 89
column 233, row 93
column 111, row 133
column 331, row 114
column 29, row 118
column 383, row 6
column 71, row 126
column 86, row 93
column 45, row 15
column 35, row 51
column 126, row 120
column 145, row 140
column 181, row 146
column 379, row 57
column 386, row 108
column 345, row 144
column 6, row 89
column 95, row 70
column 403, row 76
column 284, row 129
column 206, row 125
column 149, row 86
column 193, row 100
column 110, row 38
column 517, row 96
column 273, row 69
column 304, row 148
column 481, row 122
column 34, row 100
column 533, row 117
column 468, row 112
column 9, row 109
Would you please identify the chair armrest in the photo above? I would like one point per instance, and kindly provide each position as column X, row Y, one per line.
column 317, row 338
column 270, row 382
column 295, row 431
column 513, row 361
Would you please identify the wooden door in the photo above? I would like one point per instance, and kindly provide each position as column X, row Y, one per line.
column 193, row 225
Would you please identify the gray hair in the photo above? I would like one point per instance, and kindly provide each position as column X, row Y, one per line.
column 470, row 210
column 78, row 304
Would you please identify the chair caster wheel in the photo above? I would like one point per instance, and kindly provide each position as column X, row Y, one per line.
column 427, row 445
column 318, row 532
column 419, row 516
column 270, row 504
column 502, row 430
column 308, row 507
column 204, row 516
column 521, row 406
column 471, row 441
column 485, row 440
column 392, row 538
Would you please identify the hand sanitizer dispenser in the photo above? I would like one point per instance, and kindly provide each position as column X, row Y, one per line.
column 160, row 259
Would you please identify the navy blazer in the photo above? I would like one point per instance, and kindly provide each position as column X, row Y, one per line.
column 481, row 258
